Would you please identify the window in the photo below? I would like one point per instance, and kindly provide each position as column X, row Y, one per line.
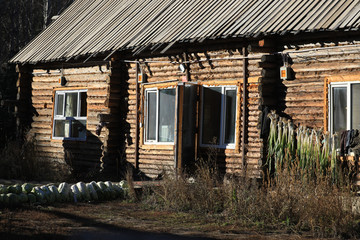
column 219, row 116
column 70, row 112
column 160, row 115
column 344, row 107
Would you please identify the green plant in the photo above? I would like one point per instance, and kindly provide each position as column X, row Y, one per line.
column 309, row 150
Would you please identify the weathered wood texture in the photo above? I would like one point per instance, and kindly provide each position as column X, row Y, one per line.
column 78, row 154
column 212, row 68
column 111, row 90
column 304, row 99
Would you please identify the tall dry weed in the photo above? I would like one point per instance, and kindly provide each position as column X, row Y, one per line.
column 296, row 204
column 202, row 192
column 19, row 159
column 290, row 202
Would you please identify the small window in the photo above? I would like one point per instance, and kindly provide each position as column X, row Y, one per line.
column 70, row 111
column 344, row 107
column 219, row 116
column 160, row 115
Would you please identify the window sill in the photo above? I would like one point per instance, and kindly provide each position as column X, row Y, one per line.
column 69, row 139
column 161, row 146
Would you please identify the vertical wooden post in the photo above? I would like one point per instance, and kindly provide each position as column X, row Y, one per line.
column 179, row 126
column 137, row 119
column 326, row 104
column 244, row 112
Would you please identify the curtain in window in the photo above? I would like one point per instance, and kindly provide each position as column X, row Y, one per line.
column 151, row 116
column 71, row 104
column 230, row 116
column 339, row 109
column 60, row 105
column 166, row 115
column 355, row 106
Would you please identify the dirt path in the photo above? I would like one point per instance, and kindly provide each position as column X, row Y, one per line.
column 116, row 220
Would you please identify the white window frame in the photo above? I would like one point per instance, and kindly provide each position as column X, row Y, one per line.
column 222, row 143
column 348, row 103
column 62, row 117
column 156, row 141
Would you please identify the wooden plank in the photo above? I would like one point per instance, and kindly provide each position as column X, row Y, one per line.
column 157, row 147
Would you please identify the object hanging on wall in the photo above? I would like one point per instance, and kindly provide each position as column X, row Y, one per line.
column 62, row 79
column 285, row 70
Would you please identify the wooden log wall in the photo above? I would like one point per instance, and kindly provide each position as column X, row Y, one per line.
column 153, row 160
column 23, row 104
column 306, row 101
column 312, row 63
column 79, row 154
column 219, row 71
column 214, row 68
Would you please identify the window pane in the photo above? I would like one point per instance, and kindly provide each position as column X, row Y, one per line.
column 78, row 129
column 71, row 104
column 211, row 115
column 83, row 110
column 339, row 109
column 166, row 115
column 230, row 100
column 355, row 106
column 60, row 105
column 151, row 116
column 61, row 128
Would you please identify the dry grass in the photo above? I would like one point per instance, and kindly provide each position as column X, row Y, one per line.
column 290, row 202
column 20, row 160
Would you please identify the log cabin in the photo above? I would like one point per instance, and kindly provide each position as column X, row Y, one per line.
column 160, row 84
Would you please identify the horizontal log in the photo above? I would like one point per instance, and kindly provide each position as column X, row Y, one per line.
column 155, row 168
column 310, row 103
column 318, row 116
column 254, row 154
column 154, row 152
column 299, row 98
column 151, row 162
column 157, row 157
column 44, row 125
column 150, row 172
column 323, row 66
column 70, row 84
column 304, row 110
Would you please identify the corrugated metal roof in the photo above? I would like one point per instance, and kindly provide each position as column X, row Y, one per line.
column 90, row 27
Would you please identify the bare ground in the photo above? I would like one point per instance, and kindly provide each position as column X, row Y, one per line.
column 120, row 220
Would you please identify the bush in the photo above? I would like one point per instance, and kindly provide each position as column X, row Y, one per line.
column 290, row 202
column 19, row 160
column 201, row 194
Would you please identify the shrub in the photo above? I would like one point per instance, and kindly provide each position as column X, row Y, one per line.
column 290, row 202
column 20, row 160
column 202, row 193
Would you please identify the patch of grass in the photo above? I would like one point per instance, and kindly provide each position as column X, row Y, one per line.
column 19, row 159
column 291, row 202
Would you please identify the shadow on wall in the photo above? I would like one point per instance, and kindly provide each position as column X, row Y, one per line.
column 90, row 158
column 282, row 88
column 83, row 156
column 119, row 126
